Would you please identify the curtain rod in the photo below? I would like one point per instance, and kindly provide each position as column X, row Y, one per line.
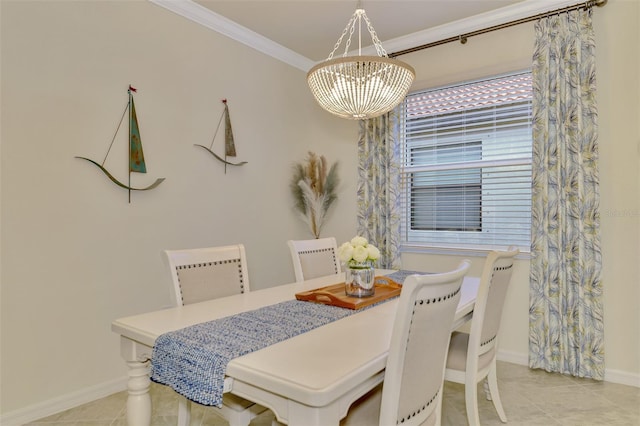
column 462, row 38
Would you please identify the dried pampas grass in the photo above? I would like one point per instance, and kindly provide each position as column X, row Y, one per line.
column 314, row 190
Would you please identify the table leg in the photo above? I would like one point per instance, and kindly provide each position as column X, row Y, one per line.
column 139, row 400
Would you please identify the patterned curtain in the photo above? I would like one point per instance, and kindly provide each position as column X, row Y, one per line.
column 379, row 187
column 566, row 332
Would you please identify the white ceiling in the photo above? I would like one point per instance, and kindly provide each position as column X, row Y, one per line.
column 304, row 32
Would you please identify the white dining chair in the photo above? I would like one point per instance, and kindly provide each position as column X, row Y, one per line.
column 203, row 274
column 314, row 258
column 472, row 355
column 411, row 392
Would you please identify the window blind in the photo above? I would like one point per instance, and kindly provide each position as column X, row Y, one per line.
column 466, row 165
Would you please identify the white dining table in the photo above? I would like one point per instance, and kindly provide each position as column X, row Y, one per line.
column 307, row 380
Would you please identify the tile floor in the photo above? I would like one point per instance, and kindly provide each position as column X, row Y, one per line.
column 530, row 397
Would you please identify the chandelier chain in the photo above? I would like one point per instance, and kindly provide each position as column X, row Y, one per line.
column 344, row 33
column 374, row 37
column 350, row 28
column 348, row 43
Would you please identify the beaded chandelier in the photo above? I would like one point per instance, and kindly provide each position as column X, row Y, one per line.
column 360, row 87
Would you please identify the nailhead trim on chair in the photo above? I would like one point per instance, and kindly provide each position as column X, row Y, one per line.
column 503, row 268
column 221, row 262
column 486, row 342
column 497, row 268
column 436, row 299
column 335, row 262
column 424, row 407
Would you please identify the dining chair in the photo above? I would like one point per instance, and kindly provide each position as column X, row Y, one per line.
column 411, row 392
column 203, row 274
column 314, row 258
column 472, row 355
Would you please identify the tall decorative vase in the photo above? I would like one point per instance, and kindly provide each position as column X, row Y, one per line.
column 359, row 279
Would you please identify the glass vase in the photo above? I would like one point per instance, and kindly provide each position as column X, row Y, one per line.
column 359, row 279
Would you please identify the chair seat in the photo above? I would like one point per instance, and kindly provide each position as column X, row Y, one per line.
column 235, row 402
column 457, row 358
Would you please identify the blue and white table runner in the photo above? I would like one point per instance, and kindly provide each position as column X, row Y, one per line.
column 193, row 360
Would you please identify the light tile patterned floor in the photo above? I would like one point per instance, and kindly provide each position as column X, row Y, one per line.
column 530, row 397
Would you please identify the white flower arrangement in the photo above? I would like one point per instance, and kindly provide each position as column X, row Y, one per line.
column 358, row 251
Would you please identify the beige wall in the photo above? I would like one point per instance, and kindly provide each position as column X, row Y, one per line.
column 75, row 254
column 618, row 73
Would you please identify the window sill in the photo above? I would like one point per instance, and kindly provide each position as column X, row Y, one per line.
column 457, row 251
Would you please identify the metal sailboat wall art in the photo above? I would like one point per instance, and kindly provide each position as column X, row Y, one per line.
column 229, row 144
column 136, row 155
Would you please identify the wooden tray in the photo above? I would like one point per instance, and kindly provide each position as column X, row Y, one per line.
column 335, row 295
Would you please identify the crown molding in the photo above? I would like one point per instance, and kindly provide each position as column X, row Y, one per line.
column 203, row 16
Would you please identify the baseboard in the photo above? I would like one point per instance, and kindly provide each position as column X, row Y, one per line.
column 613, row 376
column 513, row 357
column 622, row 377
column 62, row 403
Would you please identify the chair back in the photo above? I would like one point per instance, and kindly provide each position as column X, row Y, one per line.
column 487, row 313
column 207, row 273
column 414, row 375
column 314, row 258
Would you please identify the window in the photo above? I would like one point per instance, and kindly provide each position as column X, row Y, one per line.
column 467, row 165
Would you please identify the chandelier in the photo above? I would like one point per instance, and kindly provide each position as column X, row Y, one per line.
column 360, row 87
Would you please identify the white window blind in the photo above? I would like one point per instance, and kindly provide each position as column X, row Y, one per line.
column 467, row 165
